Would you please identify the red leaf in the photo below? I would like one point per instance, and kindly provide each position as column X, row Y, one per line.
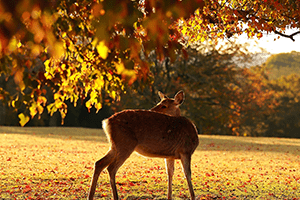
column 104, row 195
column 131, row 184
column 27, row 189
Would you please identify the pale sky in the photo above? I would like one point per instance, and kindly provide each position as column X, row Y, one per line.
column 281, row 45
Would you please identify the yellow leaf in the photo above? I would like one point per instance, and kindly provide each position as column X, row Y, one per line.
column 51, row 108
column 98, row 106
column 113, row 94
column 32, row 109
column 58, row 50
column 184, row 30
column 18, row 78
column 56, row 96
column 13, row 104
column 42, row 100
column 13, row 44
column 95, row 42
column 58, row 104
column 83, row 67
column 119, row 67
column 63, row 114
column 88, row 104
column 79, row 59
column 99, row 83
column 109, row 76
column 102, row 49
column 40, row 109
column 23, row 119
column 47, row 69
column 93, row 96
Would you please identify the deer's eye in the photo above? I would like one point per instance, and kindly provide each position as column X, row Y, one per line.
column 163, row 106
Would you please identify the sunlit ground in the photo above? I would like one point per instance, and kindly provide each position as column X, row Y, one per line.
column 57, row 163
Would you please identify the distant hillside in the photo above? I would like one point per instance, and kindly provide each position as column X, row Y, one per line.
column 283, row 64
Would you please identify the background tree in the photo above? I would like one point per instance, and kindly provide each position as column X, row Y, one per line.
column 222, row 98
column 283, row 72
column 285, row 121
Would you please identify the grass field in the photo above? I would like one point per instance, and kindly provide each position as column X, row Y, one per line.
column 57, row 163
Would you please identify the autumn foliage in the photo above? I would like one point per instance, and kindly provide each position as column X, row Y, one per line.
column 75, row 50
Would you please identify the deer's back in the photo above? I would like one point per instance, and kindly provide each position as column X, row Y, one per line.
column 156, row 134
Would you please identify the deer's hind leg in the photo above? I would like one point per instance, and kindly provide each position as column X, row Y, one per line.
column 186, row 165
column 124, row 149
column 99, row 166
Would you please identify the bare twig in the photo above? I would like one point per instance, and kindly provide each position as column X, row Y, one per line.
column 287, row 36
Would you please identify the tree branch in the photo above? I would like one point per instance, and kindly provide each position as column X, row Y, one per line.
column 287, row 36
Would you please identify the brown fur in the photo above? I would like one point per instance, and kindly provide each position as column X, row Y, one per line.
column 157, row 135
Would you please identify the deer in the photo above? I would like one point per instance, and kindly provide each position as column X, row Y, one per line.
column 159, row 132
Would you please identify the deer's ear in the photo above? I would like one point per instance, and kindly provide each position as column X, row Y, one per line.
column 179, row 97
column 161, row 95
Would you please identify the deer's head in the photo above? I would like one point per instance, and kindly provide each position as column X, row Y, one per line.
column 169, row 106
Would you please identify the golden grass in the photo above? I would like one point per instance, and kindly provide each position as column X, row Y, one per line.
column 57, row 163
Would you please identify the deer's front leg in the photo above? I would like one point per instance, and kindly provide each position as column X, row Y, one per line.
column 170, row 172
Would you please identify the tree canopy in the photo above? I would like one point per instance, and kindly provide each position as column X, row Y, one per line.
column 82, row 49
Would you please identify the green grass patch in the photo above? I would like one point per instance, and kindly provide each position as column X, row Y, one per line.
column 57, row 163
